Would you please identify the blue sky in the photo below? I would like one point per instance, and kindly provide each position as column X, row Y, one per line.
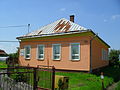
column 102, row 16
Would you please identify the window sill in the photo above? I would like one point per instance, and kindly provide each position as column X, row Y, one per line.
column 40, row 59
column 56, row 59
column 75, row 60
column 27, row 58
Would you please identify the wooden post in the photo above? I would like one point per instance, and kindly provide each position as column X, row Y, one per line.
column 53, row 77
column 102, row 78
column 35, row 79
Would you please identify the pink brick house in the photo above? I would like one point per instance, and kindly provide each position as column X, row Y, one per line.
column 65, row 45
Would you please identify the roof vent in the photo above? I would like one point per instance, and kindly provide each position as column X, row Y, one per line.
column 72, row 18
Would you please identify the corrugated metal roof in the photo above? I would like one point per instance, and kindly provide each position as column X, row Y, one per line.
column 59, row 26
column 2, row 52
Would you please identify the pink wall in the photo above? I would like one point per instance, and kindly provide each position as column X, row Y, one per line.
column 65, row 62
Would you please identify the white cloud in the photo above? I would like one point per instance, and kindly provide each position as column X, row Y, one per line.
column 62, row 9
column 105, row 20
column 114, row 17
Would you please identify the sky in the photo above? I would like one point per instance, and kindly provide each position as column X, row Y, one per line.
column 102, row 16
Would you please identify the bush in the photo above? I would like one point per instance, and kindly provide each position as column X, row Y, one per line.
column 114, row 58
column 118, row 86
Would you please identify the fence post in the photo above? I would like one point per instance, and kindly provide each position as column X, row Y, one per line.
column 53, row 77
column 102, row 78
column 35, row 79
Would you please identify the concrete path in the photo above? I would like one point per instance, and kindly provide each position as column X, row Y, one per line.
column 112, row 87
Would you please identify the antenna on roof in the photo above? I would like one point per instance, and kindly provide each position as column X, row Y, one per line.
column 28, row 27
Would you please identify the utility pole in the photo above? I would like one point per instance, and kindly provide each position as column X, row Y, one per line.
column 28, row 28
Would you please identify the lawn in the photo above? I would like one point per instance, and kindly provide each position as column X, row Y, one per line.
column 79, row 80
column 85, row 81
column 112, row 72
column 3, row 64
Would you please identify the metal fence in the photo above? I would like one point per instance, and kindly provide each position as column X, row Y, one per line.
column 27, row 78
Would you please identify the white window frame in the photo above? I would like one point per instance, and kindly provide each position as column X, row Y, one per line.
column 25, row 52
column 56, row 54
column 104, row 54
column 75, row 54
column 38, row 51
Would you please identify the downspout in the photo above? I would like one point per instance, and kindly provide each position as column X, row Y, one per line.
column 91, row 51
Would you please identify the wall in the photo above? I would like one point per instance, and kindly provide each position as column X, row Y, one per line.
column 97, row 61
column 65, row 62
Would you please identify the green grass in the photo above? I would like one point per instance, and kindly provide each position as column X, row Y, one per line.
column 85, row 81
column 45, row 78
column 78, row 80
column 111, row 72
column 3, row 64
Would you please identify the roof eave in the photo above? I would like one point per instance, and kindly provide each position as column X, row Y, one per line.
column 100, row 38
column 52, row 34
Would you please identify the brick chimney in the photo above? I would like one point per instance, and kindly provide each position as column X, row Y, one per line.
column 72, row 18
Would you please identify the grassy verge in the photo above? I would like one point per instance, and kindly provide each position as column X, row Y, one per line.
column 3, row 64
column 111, row 72
column 78, row 80
column 85, row 81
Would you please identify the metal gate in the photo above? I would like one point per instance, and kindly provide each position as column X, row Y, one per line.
column 46, row 77
column 27, row 78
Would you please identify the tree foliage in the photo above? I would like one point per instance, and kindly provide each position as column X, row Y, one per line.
column 13, row 58
column 114, row 57
column 14, row 55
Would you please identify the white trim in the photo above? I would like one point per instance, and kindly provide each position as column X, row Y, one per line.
column 43, row 52
column 104, row 54
column 56, row 54
column 74, row 54
column 25, row 51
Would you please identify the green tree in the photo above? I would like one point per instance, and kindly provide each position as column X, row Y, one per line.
column 114, row 57
column 13, row 58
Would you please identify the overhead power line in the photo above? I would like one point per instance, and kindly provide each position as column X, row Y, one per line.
column 8, row 41
column 28, row 26
column 14, row 26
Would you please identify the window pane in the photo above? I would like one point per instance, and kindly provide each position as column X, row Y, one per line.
column 40, row 56
column 40, row 49
column 75, row 49
column 56, row 49
column 27, row 52
column 75, row 57
column 27, row 56
column 56, row 57
column 75, row 54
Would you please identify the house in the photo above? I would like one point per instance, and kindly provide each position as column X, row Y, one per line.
column 2, row 52
column 65, row 45
column 3, row 55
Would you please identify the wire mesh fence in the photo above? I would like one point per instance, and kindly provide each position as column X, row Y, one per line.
column 26, row 78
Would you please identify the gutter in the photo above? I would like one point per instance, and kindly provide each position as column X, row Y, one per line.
column 91, row 51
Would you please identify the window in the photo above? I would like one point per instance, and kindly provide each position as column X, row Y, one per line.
column 40, row 52
column 104, row 54
column 27, row 52
column 75, row 51
column 56, row 51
